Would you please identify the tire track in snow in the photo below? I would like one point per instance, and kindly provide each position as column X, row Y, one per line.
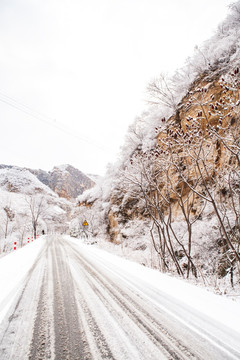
column 79, row 311
column 117, row 301
column 57, row 330
column 72, row 307
column 70, row 340
column 42, row 344
column 182, row 340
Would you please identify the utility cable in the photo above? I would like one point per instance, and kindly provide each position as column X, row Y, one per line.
column 48, row 120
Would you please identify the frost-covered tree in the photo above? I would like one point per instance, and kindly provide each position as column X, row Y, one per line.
column 38, row 208
column 181, row 159
column 7, row 216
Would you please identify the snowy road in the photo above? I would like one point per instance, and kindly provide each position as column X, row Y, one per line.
column 77, row 302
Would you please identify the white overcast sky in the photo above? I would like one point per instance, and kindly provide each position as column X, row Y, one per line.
column 83, row 66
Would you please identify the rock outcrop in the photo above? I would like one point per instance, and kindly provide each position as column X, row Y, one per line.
column 66, row 181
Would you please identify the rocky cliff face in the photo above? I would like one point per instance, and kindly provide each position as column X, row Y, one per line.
column 180, row 185
column 196, row 149
column 67, row 181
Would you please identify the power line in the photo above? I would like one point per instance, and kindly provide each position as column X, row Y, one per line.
column 25, row 106
column 47, row 120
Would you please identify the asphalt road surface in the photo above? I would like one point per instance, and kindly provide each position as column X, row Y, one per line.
column 75, row 306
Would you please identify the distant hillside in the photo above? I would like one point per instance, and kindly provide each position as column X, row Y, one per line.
column 14, row 179
column 95, row 178
column 65, row 180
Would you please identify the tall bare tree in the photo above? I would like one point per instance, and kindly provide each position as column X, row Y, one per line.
column 38, row 207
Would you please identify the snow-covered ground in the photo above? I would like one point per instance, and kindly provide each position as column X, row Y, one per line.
column 13, row 270
column 116, row 307
column 219, row 308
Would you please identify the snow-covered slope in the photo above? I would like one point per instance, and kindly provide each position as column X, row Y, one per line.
column 19, row 180
column 22, row 197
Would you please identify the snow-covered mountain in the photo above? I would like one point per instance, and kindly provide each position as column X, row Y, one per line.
column 14, row 179
column 172, row 200
column 65, row 180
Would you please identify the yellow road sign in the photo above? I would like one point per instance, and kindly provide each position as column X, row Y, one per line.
column 85, row 223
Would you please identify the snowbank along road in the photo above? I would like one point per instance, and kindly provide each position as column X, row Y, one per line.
column 76, row 303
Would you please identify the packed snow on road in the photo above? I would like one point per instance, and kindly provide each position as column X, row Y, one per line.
column 63, row 299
